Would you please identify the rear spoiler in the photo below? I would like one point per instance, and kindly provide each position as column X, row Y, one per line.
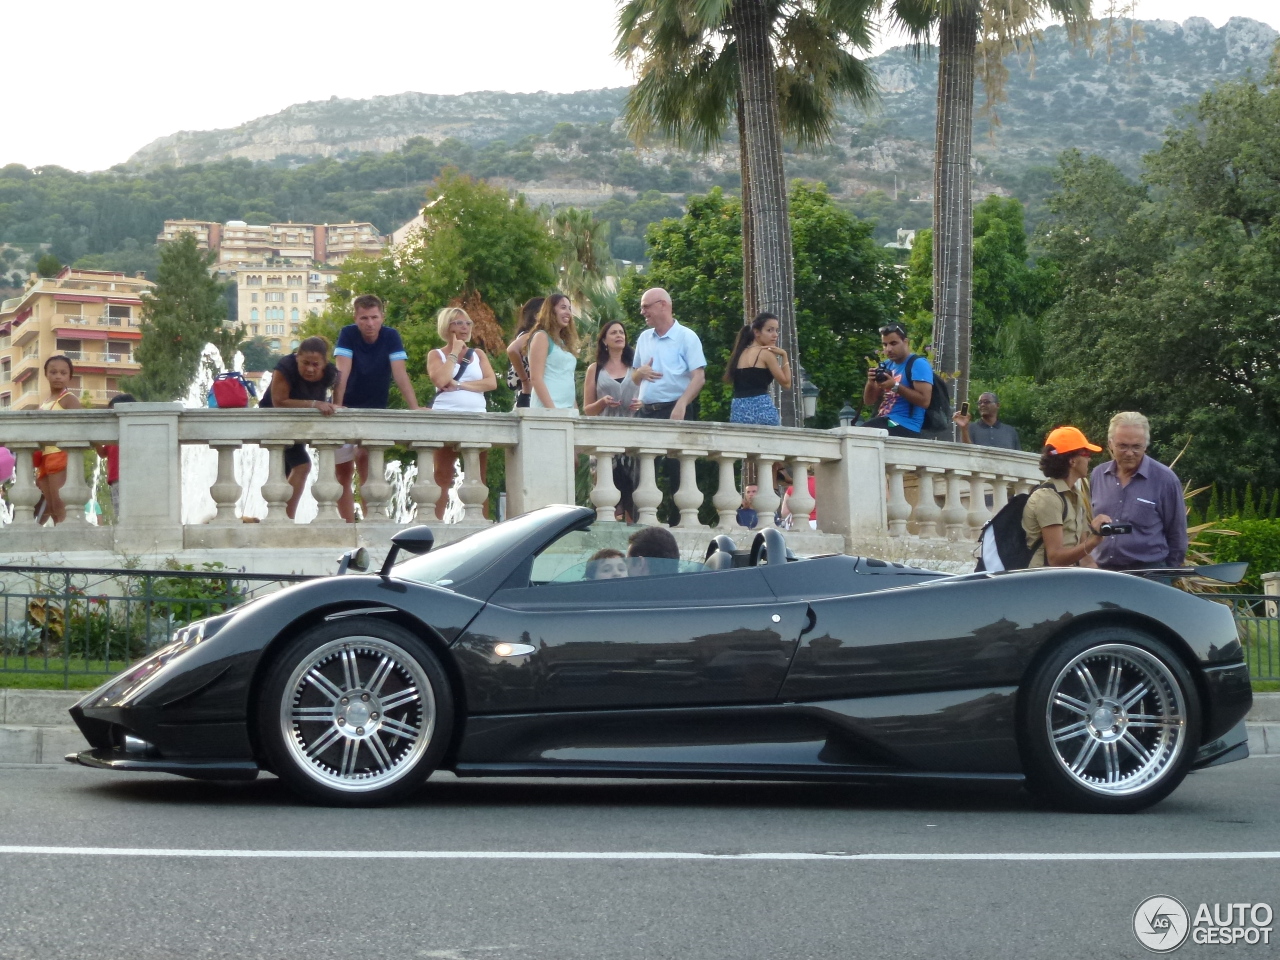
column 1217, row 572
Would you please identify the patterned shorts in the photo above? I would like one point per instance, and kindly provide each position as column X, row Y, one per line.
column 754, row 410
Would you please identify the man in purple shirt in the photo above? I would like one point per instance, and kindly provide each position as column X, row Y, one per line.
column 1135, row 489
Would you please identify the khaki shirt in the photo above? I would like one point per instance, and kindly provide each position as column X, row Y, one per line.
column 1044, row 509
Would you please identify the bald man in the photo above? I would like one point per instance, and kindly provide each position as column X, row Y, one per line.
column 669, row 364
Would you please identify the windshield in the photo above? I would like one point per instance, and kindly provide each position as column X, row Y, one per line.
column 457, row 561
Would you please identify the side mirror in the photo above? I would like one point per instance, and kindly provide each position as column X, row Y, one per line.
column 357, row 560
column 415, row 540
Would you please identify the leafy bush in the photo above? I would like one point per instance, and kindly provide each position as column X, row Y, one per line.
column 1257, row 541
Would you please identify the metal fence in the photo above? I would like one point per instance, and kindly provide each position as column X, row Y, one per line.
column 73, row 622
column 1258, row 621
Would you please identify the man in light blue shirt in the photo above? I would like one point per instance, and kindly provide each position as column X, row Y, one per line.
column 669, row 364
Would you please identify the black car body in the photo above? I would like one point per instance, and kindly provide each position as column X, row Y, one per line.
column 498, row 655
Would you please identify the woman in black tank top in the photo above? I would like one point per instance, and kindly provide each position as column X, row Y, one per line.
column 757, row 361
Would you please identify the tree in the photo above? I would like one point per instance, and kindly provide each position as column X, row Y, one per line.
column 258, row 354
column 974, row 37
column 585, row 266
column 779, row 67
column 180, row 316
column 846, row 287
column 1170, row 289
column 48, row 266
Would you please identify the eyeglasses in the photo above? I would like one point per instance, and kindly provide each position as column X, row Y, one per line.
column 1129, row 447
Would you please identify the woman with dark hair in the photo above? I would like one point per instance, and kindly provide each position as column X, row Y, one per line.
column 518, row 377
column 51, row 463
column 756, row 362
column 552, row 349
column 301, row 380
column 609, row 391
column 1056, row 518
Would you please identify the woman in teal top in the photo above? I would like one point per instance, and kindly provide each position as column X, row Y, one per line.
column 553, row 355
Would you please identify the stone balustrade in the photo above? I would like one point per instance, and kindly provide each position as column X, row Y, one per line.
column 903, row 498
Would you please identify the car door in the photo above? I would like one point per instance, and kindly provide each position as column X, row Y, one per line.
column 692, row 638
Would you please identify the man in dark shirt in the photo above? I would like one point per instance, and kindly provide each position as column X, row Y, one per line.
column 1133, row 488
column 368, row 356
column 987, row 430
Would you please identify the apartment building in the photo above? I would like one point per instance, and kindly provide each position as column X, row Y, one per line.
column 240, row 244
column 274, row 302
column 92, row 316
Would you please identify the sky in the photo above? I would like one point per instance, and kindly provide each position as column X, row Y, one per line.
column 111, row 77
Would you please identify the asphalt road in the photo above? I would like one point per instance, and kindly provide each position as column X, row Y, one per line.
column 132, row 907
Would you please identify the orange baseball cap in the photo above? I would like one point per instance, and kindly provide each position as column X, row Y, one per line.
column 1068, row 439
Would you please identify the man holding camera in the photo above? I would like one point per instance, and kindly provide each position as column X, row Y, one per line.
column 900, row 408
column 1135, row 489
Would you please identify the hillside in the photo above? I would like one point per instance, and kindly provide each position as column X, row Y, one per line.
column 1117, row 106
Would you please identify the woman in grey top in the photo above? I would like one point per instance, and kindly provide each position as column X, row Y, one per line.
column 608, row 391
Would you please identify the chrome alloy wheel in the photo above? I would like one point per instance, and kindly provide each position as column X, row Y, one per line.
column 1117, row 719
column 357, row 713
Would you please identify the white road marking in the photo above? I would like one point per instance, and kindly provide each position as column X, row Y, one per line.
column 618, row 855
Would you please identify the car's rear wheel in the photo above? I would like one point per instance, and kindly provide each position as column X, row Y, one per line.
column 1111, row 722
column 355, row 712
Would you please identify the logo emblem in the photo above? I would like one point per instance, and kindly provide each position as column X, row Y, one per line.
column 1161, row 924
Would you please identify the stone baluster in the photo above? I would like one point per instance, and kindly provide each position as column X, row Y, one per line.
column 376, row 491
column 1000, row 493
column 728, row 498
column 927, row 512
column 647, row 496
column 326, row 488
column 75, row 492
column 688, row 497
column 24, row 494
column 802, row 503
column 1021, row 486
column 898, row 509
column 604, row 492
column 978, row 512
column 225, row 491
column 472, row 491
column 767, row 499
column 425, row 491
column 276, row 491
column 953, row 511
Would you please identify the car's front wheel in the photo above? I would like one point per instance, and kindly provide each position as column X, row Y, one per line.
column 1111, row 722
column 355, row 712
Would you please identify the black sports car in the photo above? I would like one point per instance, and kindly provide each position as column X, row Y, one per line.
column 509, row 653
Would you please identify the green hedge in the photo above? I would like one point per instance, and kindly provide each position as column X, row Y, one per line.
column 1257, row 541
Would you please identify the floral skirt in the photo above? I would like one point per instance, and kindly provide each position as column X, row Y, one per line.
column 755, row 410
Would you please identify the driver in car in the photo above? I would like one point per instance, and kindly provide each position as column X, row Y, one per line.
column 652, row 550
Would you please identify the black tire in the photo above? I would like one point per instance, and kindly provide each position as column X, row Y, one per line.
column 357, row 712
column 1110, row 722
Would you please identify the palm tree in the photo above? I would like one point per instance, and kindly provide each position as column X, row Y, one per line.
column 974, row 37
column 778, row 65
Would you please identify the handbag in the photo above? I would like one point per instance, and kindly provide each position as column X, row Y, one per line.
column 230, row 390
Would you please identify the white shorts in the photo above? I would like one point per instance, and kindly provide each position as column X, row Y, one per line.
column 345, row 453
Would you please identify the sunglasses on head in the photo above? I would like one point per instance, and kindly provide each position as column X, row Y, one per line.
column 894, row 328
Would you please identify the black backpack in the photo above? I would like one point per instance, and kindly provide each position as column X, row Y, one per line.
column 1002, row 545
column 937, row 416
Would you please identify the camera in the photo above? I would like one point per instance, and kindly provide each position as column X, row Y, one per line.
column 882, row 371
column 1114, row 529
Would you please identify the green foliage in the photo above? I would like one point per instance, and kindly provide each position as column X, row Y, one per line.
column 184, row 599
column 48, row 265
column 258, row 354
column 184, row 312
column 1257, row 541
column 846, row 287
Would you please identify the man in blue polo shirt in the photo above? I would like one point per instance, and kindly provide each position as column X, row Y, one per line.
column 668, row 364
column 368, row 356
column 900, row 407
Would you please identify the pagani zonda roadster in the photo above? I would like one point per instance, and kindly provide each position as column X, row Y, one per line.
column 503, row 655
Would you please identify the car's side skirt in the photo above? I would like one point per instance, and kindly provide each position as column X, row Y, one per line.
column 810, row 774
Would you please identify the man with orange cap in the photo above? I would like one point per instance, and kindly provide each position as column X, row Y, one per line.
column 1060, row 532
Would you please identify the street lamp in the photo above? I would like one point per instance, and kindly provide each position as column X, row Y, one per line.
column 847, row 415
column 809, row 392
